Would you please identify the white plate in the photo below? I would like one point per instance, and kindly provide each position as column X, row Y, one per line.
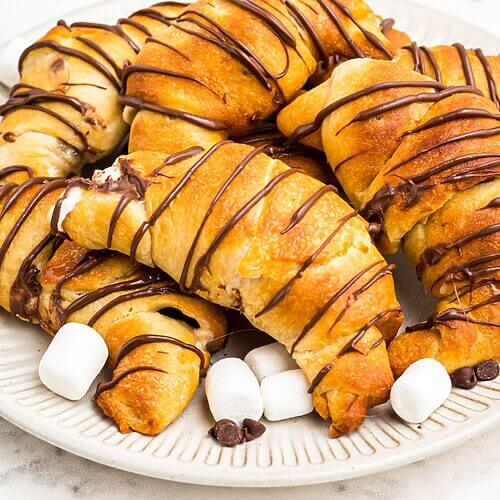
column 293, row 452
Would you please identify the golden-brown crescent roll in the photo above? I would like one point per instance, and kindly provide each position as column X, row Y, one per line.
column 230, row 64
column 267, row 240
column 421, row 160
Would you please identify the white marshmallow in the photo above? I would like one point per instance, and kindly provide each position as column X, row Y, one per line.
column 285, row 395
column 233, row 391
column 73, row 360
column 112, row 173
column 424, row 386
column 71, row 198
column 269, row 359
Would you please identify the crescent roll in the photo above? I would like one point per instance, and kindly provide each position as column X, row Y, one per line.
column 420, row 160
column 265, row 239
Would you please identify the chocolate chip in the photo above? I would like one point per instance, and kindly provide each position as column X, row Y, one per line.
column 487, row 370
column 252, row 429
column 465, row 378
column 227, row 433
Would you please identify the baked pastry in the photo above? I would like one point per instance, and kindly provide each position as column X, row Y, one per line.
column 230, row 64
column 420, row 160
column 65, row 112
column 398, row 38
column 156, row 335
column 269, row 241
column 345, row 401
column 47, row 281
column 455, row 65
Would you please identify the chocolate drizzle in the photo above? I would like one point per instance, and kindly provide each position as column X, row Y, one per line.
column 319, row 377
column 494, row 203
column 144, row 279
column 160, row 289
column 308, row 27
column 492, row 86
column 467, row 271
column 411, row 189
column 204, row 261
column 453, row 314
column 174, row 158
column 143, row 68
column 435, row 254
column 356, row 50
column 309, row 128
column 46, row 188
column 116, row 30
column 135, row 102
column 324, row 308
column 230, row 44
column 135, row 342
column 89, row 261
column 415, row 51
column 14, row 104
column 437, row 74
column 426, row 97
column 106, row 386
column 6, row 171
column 386, row 25
column 125, row 199
column 26, row 285
column 466, row 64
column 351, row 346
column 302, row 211
column 282, row 292
column 239, row 168
column 72, row 53
column 172, row 195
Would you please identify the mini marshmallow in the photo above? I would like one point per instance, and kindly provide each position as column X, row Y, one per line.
column 113, row 173
column 285, row 395
column 71, row 198
column 73, row 360
column 424, row 386
column 269, row 359
column 233, row 392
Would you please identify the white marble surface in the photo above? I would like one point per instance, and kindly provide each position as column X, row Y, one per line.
column 30, row 468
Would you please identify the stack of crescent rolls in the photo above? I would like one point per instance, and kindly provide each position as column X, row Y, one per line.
column 211, row 194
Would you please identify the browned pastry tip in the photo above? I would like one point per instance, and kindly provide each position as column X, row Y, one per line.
column 398, row 38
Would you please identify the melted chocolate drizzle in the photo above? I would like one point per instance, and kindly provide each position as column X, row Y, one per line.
column 307, row 129
column 46, row 188
column 71, row 53
column 351, row 346
column 135, row 342
column 324, row 308
column 6, row 171
column 436, row 253
column 282, row 292
column 106, row 386
column 135, row 102
column 454, row 314
column 160, row 289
